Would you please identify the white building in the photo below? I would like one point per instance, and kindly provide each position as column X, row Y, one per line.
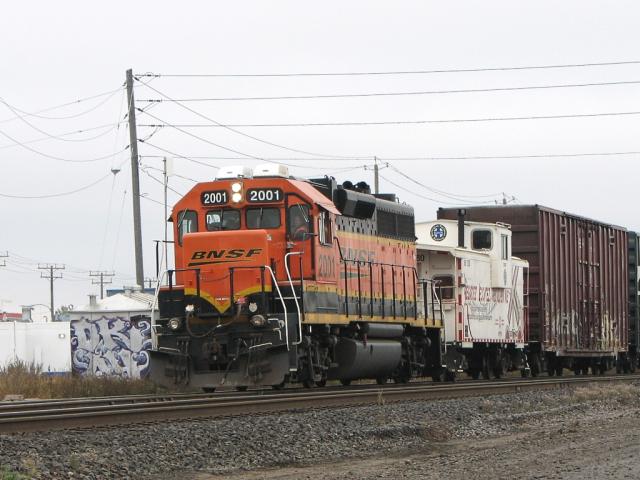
column 43, row 344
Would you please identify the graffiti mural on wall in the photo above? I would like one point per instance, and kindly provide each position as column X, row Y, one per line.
column 111, row 346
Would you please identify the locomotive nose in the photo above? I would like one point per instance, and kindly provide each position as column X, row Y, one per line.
column 231, row 264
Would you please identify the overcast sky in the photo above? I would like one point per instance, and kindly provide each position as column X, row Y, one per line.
column 59, row 52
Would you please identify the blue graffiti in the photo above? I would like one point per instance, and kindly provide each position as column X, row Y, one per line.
column 111, row 346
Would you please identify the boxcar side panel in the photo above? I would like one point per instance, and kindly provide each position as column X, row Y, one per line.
column 578, row 276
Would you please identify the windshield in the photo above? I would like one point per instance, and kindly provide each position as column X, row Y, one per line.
column 226, row 219
column 263, row 217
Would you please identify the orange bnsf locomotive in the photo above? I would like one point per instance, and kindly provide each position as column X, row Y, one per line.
column 279, row 279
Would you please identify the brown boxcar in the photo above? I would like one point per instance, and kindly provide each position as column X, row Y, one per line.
column 578, row 284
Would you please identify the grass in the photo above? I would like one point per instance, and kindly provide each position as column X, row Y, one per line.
column 19, row 378
column 7, row 474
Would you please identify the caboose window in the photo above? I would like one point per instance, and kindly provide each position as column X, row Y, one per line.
column 226, row 219
column 481, row 240
column 187, row 223
column 263, row 217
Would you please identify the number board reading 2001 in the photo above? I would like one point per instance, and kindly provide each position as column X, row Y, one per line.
column 216, row 197
column 264, row 195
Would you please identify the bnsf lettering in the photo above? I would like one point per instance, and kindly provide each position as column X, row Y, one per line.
column 233, row 253
column 360, row 255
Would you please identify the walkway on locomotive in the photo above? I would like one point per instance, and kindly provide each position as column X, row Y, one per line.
column 480, row 286
column 231, row 227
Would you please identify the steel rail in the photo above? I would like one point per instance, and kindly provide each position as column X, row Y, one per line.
column 60, row 416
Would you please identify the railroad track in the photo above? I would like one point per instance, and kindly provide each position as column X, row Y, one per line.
column 87, row 413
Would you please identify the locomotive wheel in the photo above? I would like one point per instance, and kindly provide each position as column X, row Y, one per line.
column 559, row 371
column 307, row 383
column 449, row 376
column 241, row 388
column 321, row 383
column 345, row 382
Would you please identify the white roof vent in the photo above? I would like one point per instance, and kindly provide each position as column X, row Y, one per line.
column 271, row 170
column 232, row 172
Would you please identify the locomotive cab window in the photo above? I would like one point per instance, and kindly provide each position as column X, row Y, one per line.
column 444, row 286
column 263, row 218
column 299, row 222
column 324, row 229
column 481, row 240
column 226, row 219
column 187, row 223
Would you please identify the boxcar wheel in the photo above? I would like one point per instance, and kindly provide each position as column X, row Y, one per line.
column 242, row 388
column 345, row 382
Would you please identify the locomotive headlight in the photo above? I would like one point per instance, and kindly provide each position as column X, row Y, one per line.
column 236, row 187
column 258, row 321
column 174, row 323
column 236, row 197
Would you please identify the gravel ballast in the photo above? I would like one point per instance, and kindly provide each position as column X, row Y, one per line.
column 221, row 446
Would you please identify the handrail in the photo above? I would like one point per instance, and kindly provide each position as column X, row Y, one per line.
column 284, row 307
column 293, row 293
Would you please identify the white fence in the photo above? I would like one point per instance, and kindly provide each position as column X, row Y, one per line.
column 44, row 344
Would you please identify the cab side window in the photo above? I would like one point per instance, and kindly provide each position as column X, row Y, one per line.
column 324, row 229
column 444, row 284
column 187, row 223
column 299, row 221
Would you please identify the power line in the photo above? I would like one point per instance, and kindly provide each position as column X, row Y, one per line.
column 178, row 155
column 60, row 159
column 47, row 134
column 396, row 122
column 419, row 158
column 452, row 196
column 418, row 194
column 215, row 122
column 110, row 126
column 397, row 72
column 74, row 102
column 55, row 195
column 177, row 127
column 392, row 94
column 101, row 274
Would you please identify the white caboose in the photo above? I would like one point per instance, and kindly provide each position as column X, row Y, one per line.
column 479, row 292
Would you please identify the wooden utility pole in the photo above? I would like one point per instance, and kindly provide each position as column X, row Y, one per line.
column 135, row 179
column 376, row 181
column 101, row 281
column 51, row 276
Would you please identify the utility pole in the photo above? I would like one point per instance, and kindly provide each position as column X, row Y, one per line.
column 376, row 173
column 135, row 179
column 51, row 276
column 102, row 282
